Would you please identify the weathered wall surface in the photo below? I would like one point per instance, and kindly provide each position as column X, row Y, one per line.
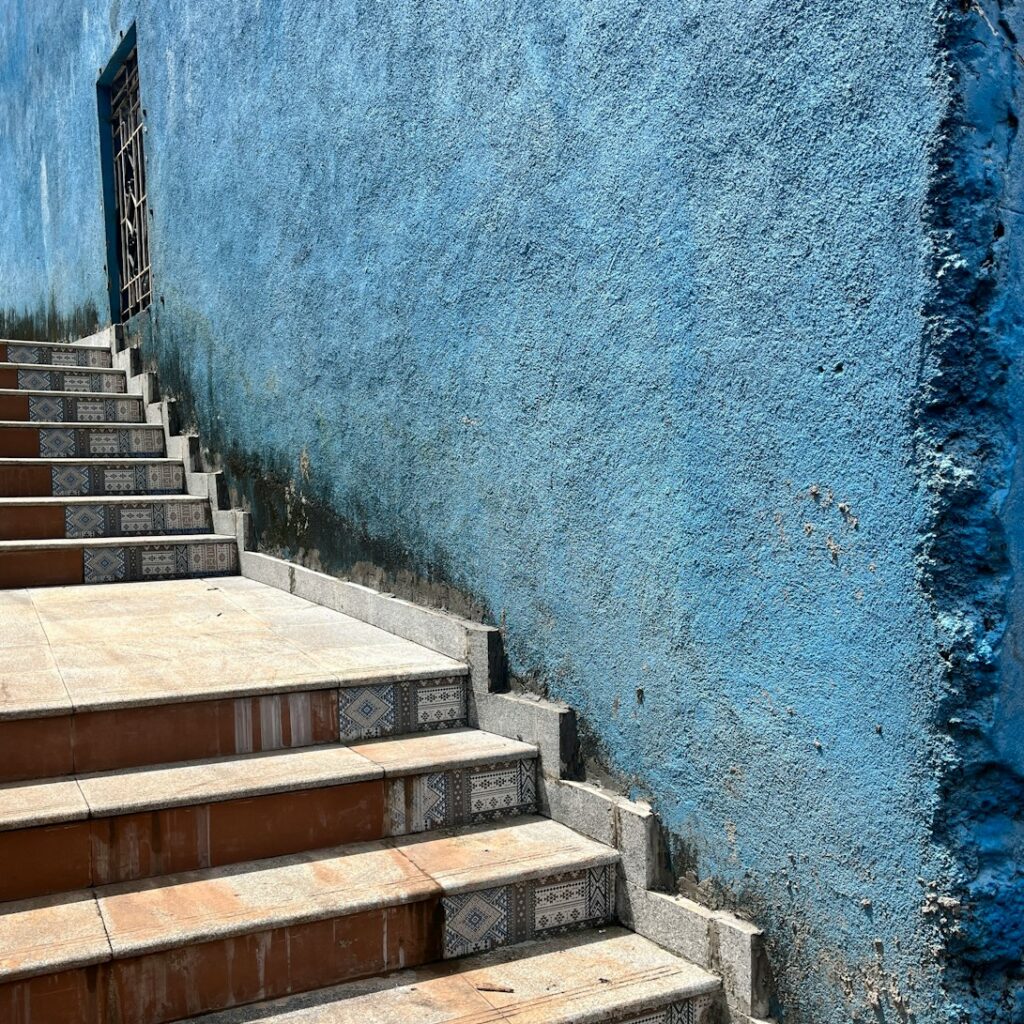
column 621, row 324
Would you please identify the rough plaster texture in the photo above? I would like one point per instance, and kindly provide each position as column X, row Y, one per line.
column 621, row 324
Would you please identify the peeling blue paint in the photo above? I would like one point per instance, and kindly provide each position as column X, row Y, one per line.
column 621, row 321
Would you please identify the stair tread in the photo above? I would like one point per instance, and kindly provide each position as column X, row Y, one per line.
column 48, row 543
column 580, row 977
column 103, row 499
column 135, row 644
column 56, row 344
column 80, row 424
column 135, row 790
column 172, row 911
column 60, row 367
column 91, row 396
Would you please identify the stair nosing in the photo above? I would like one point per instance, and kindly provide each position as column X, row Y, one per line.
column 89, row 395
column 61, row 367
column 359, row 768
column 80, row 424
column 101, row 499
column 46, row 543
column 56, row 344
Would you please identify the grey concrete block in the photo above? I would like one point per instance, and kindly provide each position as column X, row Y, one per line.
column 639, row 839
column 741, row 959
column 485, row 656
column 434, row 629
column 678, row 924
column 579, row 806
column 274, row 572
column 552, row 727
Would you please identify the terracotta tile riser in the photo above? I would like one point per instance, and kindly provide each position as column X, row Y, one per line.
column 133, row 441
column 63, row 858
column 37, row 748
column 58, row 522
column 160, row 987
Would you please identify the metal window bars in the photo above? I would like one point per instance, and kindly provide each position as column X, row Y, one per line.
column 130, row 188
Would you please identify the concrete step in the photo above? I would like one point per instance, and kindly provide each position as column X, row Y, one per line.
column 104, row 516
column 54, row 440
column 21, row 405
column 39, row 477
column 58, row 378
column 157, row 950
column 74, row 832
column 608, row 975
column 61, row 563
column 47, row 353
column 120, row 675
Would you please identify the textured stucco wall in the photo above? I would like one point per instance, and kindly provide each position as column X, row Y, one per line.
column 618, row 323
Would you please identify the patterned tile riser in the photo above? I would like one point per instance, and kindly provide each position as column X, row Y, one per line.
column 67, row 380
column 699, row 1010
column 478, row 921
column 78, row 481
column 51, row 409
column 465, row 796
column 70, row 356
column 92, row 442
column 158, row 562
column 177, row 518
column 393, row 709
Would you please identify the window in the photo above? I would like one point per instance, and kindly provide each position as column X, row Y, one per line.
column 129, row 181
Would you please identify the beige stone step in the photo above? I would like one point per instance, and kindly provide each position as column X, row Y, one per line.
column 609, row 975
column 100, row 828
column 177, row 945
column 117, row 675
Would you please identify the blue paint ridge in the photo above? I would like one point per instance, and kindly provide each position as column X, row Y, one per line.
column 967, row 421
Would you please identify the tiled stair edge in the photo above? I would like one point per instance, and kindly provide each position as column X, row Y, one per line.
column 715, row 940
column 159, row 411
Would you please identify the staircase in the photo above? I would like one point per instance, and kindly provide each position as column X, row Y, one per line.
column 221, row 800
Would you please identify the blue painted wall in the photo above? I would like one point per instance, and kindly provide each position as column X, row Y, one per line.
column 619, row 323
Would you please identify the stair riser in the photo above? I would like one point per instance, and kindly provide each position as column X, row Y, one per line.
column 44, row 481
column 27, row 354
column 98, row 741
column 165, row 986
column 61, row 409
column 61, row 567
column 31, row 379
column 72, row 522
column 130, row 737
column 121, row 848
column 81, row 442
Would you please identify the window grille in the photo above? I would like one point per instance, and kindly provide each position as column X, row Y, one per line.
column 130, row 188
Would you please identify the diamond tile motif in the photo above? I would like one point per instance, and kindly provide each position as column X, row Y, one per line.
column 84, row 382
column 496, row 790
column 211, row 559
column 63, row 357
column 156, row 562
column 68, row 481
column 475, row 922
column 36, row 380
column 120, row 480
column 55, row 443
column 532, row 909
column 366, row 711
column 23, row 354
column 104, row 565
column 404, row 699
column 187, row 517
column 85, row 521
column 165, row 479
column 46, row 408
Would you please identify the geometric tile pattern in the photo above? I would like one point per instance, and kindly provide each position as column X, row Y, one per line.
column 461, row 796
column 697, row 1010
column 136, row 520
column 91, row 442
column 76, row 481
column 159, row 561
column 478, row 921
column 71, row 380
column 51, row 409
column 411, row 706
column 71, row 355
